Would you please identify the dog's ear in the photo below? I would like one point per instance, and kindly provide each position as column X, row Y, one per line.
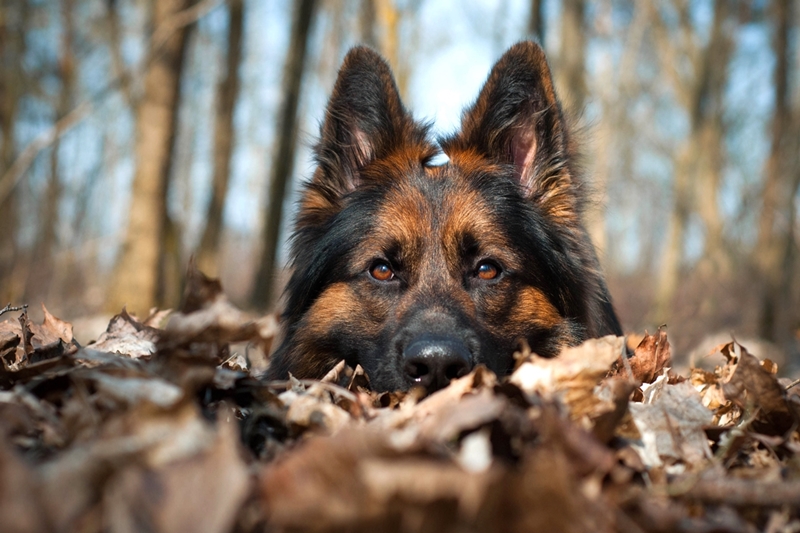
column 517, row 120
column 365, row 121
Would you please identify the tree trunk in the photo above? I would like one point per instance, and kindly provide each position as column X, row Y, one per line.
column 137, row 272
column 263, row 296
column 694, row 169
column 678, row 219
column 227, row 94
column 786, row 323
column 571, row 72
column 536, row 22
column 571, row 78
column 714, row 78
column 389, row 20
column 612, row 157
column 367, row 21
column 40, row 272
column 172, row 267
column 768, row 250
column 115, row 49
column 12, row 47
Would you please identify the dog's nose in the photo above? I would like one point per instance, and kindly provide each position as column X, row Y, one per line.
column 433, row 360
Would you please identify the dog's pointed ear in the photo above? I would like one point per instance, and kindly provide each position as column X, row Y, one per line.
column 517, row 120
column 365, row 120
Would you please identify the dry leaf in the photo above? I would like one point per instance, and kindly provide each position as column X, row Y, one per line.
column 127, row 336
column 752, row 387
column 671, row 423
column 572, row 376
column 651, row 357
column 50, row 331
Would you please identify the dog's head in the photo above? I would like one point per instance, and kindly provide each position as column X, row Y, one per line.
column 420, row 272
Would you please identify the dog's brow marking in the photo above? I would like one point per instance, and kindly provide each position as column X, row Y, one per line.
column 468, row 214
column 405, row 214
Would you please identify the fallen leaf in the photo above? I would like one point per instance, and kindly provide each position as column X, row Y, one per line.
column 572, row 376
column 752, row 387
column 206, row 315
column 127, row 336
column 51, row 330
column 651, row 356
column 671, row 423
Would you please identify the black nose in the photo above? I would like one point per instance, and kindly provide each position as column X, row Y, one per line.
column 433, row 360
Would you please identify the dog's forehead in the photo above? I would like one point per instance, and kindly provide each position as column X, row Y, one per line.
column 435, row 197
column 439, row 205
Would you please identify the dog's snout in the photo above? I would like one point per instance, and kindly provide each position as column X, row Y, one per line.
column 433, row 360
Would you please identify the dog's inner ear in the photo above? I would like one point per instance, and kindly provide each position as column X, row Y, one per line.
column 523, row 152
column 365, row 121
column 518, row 121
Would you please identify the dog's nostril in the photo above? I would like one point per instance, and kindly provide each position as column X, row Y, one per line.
column 432, row 360
column 416, row 370
column 456, row 369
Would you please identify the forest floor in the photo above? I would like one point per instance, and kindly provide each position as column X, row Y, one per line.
column 164, row 424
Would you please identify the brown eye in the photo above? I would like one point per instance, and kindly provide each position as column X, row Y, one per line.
column 487, row 271
column 381, row 271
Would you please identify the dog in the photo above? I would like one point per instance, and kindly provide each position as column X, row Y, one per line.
column 419, row 272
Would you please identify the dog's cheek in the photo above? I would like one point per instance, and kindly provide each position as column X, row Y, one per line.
column 342, row 319
column 513, row 313
column 534, row 309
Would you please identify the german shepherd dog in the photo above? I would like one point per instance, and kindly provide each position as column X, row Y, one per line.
column 419, row 272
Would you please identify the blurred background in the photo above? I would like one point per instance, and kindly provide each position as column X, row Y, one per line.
column 135, row 134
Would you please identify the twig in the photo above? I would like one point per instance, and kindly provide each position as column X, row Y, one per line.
column 739, row 492
column 330, row 387
column 792, row 384
column 9, row 308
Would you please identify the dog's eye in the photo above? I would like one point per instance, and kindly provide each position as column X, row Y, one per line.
column 487, row 270
column 381, row 271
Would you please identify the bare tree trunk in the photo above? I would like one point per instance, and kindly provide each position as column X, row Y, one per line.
column 570, row 75
column 263, row 296
column 171, row 267
column 768, row 249
column 12, row 46
column 787, row 322
column 227, row 94
column 713, row 80
column 40, row 273
column 137, row 271
column 678, row 219
column 115, row 48
column 571, row 78
column 367, row 21
column 612, row 157
column 698, row 165
column 536, row 22
column 389, row 20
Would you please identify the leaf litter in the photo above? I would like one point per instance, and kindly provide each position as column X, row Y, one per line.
column 165, row 424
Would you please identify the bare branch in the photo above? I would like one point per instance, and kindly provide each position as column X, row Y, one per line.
column 11, row 308
column 14, row 174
